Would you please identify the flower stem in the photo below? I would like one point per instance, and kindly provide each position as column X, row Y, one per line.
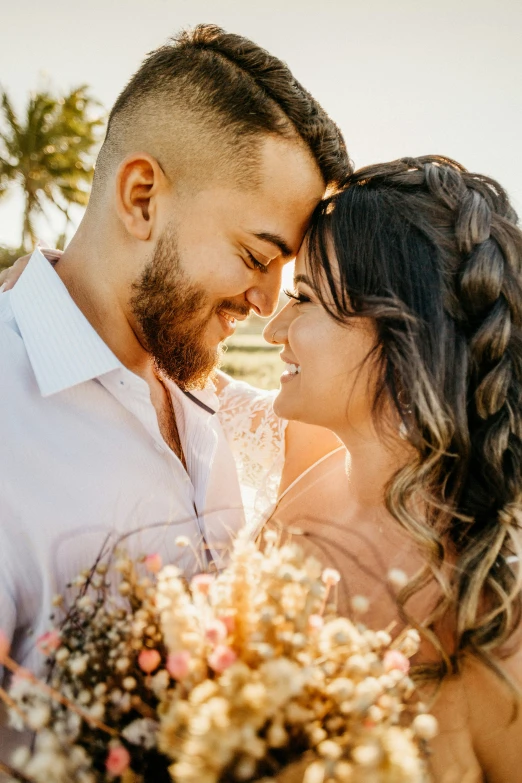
column 57, row 696
column 13, row 773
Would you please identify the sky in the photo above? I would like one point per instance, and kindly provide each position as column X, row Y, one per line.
column 400, row 77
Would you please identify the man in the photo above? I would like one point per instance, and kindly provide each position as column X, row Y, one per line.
column 214, row 159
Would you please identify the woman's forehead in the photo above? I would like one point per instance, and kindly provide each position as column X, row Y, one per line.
column 309, row 263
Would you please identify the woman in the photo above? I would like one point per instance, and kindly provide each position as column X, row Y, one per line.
column 404, row 338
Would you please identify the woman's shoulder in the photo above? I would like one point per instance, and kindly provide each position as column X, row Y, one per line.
column 481, row 714
column 495, row 711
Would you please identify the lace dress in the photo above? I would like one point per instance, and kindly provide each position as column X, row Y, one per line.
column 257, row 439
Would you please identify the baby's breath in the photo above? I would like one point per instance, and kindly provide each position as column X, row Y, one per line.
column 244, row 675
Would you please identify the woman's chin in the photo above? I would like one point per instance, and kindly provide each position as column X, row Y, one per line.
column 286, row 405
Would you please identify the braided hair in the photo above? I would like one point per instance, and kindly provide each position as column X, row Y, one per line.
column 432, row 253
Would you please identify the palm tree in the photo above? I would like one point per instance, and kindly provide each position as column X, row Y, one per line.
column 49, row 154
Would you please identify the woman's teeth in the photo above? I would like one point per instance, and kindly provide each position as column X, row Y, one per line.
column 292, row 369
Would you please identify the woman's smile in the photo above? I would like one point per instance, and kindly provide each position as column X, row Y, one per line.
column 292, row 368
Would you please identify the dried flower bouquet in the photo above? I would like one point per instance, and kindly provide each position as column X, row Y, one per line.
column 246, row 675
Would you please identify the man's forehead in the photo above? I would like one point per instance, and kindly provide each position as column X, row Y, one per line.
column 282, row 225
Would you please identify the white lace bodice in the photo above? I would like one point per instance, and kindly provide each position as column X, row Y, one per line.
column 257, row 439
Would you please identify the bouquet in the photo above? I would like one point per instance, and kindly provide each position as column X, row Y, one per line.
column 245, row 675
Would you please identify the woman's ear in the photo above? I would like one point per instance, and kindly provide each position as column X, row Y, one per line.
column 139, row 180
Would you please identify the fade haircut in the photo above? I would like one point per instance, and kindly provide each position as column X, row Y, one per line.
column 201, row 104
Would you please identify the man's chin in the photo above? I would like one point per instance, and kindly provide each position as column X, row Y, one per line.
column 196, row 374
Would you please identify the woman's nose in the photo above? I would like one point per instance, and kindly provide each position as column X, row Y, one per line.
column 276, row 330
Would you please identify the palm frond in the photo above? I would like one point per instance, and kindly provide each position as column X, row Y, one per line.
column 51, row 152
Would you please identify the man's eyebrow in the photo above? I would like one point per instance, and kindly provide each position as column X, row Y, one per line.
column 276, row 240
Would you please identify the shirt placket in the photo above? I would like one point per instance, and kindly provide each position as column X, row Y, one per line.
column 199, row 442
column 197, row 438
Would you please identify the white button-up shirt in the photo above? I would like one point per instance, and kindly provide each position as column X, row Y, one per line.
column 82, row 457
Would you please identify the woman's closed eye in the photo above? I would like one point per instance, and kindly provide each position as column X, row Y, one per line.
column 299, row 297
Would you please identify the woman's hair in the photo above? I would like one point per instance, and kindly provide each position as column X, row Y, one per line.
column 433, row 255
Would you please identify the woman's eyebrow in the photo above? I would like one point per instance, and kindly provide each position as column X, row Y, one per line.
column 303, row 279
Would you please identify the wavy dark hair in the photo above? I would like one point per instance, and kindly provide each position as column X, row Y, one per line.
column 433, row 255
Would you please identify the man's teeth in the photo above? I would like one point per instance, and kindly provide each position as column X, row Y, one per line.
column 228, row 317
column 293, row 369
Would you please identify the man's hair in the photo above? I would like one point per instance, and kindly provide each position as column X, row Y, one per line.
column 212, row 93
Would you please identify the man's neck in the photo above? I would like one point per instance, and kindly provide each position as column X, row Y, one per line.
column 83, row 271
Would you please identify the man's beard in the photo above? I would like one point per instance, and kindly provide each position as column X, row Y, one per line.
column 170, row 312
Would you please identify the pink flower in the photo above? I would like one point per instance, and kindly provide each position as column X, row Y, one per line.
column 48, row 642
column 153, row 563
column 149, row 660
column 117, row 761
column 216, row 632
column 178, row 664
column 4, row 646
column 221, row 658
column 315, row 622
column 229, row 622
column 394, row 659
column 201, row 583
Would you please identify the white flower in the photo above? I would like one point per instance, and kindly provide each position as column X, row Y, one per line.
column 330, row 750
column 61, row 655
column 16, row 721
column 97, row 710
column 283, row 679
column 367, row 692
column 85, row 602
column 141, row 732
column 425, row 726
column 360, row 604
column 160, row 682
column 20, row 757
column 78, row 665
column 397, row 578
column 411, row 643
column 367, row 755
column 38, row 716
column 47, row 766
column 340, row 689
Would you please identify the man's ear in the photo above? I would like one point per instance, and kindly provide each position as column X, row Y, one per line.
column 139, row 180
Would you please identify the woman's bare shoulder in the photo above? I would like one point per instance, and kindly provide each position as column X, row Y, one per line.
column 481, row 723
column 495, row 714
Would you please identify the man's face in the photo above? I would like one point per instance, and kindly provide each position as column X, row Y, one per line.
column 219, row 256
column 174, row 315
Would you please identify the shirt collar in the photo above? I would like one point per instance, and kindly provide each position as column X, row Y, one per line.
column 62, row 346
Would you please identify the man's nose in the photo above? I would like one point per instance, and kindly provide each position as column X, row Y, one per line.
column 264, row 296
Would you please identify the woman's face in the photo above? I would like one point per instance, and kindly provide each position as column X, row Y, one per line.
column 327, row 381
